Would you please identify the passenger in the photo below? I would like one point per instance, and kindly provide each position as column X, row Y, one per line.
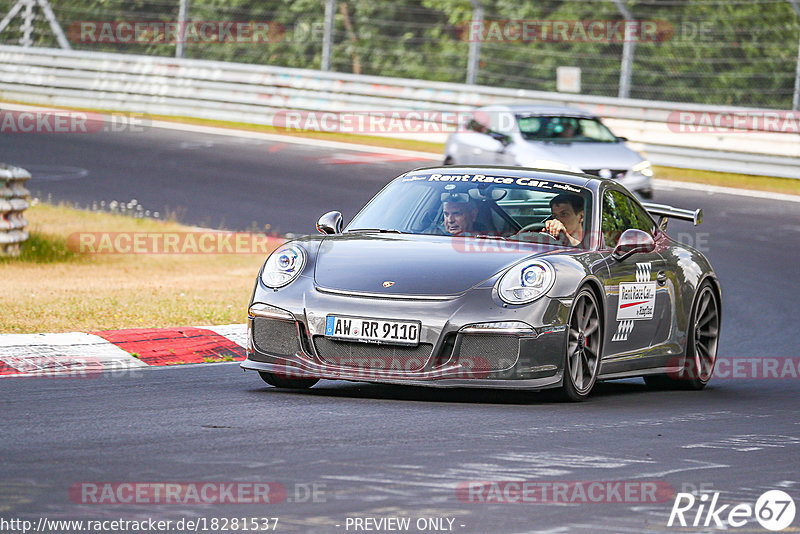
column 568, row 212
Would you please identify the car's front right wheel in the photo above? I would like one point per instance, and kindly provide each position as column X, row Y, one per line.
column 280, row 381
column 584, row 345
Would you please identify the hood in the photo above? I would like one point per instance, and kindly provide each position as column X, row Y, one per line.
column 585, row 155
column 417, row 264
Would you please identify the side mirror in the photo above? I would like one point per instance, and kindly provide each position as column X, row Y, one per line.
column 504, row 139
column 632, row 242
column 330, row 223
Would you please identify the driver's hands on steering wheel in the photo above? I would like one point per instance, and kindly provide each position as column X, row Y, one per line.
column 554, row 227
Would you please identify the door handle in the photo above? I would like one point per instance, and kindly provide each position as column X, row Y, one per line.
column 661, row 278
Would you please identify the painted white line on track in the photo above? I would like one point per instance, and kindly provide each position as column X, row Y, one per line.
column 308, row 141
column 711, row 189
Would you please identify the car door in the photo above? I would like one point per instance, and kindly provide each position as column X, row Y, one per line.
column 479, row 149
column 636, row 301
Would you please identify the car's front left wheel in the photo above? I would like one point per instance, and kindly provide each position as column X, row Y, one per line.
column 584, row 345
column 280, row 381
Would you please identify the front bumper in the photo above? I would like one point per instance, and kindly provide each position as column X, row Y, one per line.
column 530, row 383
column 286, row 337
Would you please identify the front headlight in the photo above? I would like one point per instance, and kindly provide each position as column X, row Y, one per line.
column 526, row 282
column 283, row 266
column 645, row 168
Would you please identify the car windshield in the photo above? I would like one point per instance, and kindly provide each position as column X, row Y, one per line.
column 564, row 129
column 488, row 206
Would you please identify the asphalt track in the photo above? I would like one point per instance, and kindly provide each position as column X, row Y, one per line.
column 381, row 451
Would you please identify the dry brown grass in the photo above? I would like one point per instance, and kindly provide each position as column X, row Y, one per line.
column 789, row 186
column 52, row 289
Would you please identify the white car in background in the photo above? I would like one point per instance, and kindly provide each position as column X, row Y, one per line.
column 548, row 137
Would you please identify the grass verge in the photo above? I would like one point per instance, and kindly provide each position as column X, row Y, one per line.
column 771, row 184
column 51, row 287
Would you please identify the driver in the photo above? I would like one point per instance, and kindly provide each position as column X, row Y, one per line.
column 568, row 212
column 569, row 130
column 460, row 213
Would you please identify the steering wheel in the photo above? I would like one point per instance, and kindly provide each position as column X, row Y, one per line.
column 535, row 229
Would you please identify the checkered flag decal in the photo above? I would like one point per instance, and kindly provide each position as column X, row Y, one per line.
column 623, row 329
column 643, row 272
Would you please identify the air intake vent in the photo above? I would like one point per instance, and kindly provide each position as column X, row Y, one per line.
column 275, row 337
column 489, row 353
column 354, row 355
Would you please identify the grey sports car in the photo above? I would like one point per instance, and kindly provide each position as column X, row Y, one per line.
column 497, row 277
column 548, row 137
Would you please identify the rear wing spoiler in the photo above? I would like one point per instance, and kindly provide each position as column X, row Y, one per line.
column 663, row 211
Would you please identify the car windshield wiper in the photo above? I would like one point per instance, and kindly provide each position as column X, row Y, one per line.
column 486, row 236
column 380, row 230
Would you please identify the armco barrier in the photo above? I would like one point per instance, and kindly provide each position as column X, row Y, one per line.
column 253, row 94
column 13, row 201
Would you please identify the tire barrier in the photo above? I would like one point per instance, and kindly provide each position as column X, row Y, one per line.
column 13, row 201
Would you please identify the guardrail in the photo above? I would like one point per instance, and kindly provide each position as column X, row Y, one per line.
column 255, row 93
column 13, row 201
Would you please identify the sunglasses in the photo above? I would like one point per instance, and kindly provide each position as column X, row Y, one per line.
column 459, row 198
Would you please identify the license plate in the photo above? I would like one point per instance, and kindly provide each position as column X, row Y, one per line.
column 372, row 330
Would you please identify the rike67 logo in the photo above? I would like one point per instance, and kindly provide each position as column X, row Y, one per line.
column 774, row 510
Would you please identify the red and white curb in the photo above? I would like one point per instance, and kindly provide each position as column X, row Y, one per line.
column 81, row 353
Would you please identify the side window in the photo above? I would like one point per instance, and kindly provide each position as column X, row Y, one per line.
column 501, row 122
column 642, row 221
column 621, row 213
